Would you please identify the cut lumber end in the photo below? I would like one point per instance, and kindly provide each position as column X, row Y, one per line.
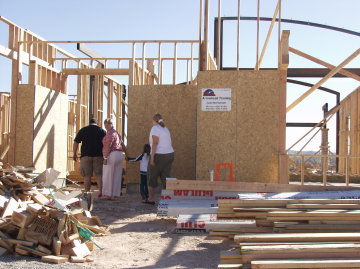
column 54, row 259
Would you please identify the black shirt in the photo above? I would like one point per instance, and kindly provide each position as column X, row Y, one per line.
column 91, row 137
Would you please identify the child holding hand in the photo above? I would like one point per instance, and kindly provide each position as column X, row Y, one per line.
column 144, row 162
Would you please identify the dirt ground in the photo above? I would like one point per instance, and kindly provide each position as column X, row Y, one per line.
column 138, row 239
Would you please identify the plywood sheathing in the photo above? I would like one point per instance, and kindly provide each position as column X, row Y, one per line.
column 246, row 136
column 41, row 128
column 25, row 125
column 177, row 104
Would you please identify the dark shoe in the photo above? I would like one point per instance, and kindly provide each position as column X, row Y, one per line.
column 150, row 202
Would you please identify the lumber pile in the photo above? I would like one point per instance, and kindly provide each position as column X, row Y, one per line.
column 272, row 225
column 44, row 221
column 304, row 233
column 197, row 195
column 250, row 187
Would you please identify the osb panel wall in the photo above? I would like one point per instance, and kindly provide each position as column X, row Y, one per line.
column 50, row 130
column 349, row 136
column 177, row 105
column 24, row 125
column 248, row 135
column 41, row 135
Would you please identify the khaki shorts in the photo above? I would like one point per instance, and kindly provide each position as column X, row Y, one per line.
column 91, row 165
column 162, row 169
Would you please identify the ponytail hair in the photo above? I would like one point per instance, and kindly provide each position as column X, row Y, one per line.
column 158, row 118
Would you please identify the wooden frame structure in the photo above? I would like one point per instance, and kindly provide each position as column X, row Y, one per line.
column 131, row 70
column 25, row 48
column 49, row 66
column 283, row 52
column 350, row 134
column 4, row 125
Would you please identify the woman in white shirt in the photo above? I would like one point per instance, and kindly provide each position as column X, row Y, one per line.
column 161, row 157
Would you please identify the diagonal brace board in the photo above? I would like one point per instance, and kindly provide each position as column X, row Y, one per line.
column 318, row 61
column 323, row 80
column 257, row 67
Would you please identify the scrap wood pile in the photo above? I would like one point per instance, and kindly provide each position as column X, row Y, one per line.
column 298, row 233
column 44, row 221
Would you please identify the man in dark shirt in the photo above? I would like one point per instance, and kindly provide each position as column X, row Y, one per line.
column 91, row 159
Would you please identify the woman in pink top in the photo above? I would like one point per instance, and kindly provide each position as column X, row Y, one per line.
column 113, row 148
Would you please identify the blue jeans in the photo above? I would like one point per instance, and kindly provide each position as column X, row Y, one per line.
column 143, row 186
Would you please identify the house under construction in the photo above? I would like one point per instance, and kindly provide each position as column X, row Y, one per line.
column 39, row 118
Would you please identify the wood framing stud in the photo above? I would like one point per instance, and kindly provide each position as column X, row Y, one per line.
column 284, row 50
column 258, row 64
column 95, row 72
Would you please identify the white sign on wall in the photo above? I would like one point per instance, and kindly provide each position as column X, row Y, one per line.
column 216, row 99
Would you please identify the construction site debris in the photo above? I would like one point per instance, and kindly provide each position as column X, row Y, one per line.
column 41, row 220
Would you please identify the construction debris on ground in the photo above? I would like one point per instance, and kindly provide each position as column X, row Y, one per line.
column 42, row 220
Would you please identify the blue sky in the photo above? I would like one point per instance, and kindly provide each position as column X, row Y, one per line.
column 178, row 19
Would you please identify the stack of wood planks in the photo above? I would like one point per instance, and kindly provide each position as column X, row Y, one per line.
column 288, row 226
column 44, row 222
column 304, row 233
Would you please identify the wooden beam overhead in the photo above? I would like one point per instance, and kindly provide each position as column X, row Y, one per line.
column 323, row 80
column 95, row 72
column 304, row 72
column 318, row 61
column 89, row 52
column 110, row 41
